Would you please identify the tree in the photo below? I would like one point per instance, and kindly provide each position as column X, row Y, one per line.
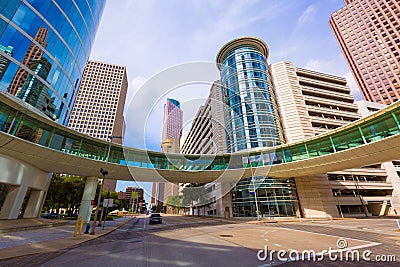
column 64, row 192
column 54, row 193
column 73, row 192
column 194, row 195
column 175, row 202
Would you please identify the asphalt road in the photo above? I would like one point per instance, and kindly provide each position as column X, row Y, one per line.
column 194, row 241
column 178, row 241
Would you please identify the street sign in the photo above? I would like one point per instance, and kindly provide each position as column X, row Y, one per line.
column 108, row 202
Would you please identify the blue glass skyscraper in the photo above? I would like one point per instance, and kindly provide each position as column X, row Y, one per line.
column 60, row 33
column 248, row 94
column 252, row 120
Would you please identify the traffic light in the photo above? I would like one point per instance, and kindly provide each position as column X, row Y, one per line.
column 103, row 171
column 92, row 202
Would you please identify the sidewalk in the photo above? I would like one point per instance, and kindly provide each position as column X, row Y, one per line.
column 32, row 236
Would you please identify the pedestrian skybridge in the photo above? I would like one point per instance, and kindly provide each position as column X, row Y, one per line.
column 30, row 137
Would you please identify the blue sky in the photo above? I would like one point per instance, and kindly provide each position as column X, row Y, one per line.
column 150, row 36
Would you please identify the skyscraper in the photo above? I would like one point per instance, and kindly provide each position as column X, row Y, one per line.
column 207, row 135
column 252, row 121
column 44, row 46
column 250, row 104
column 61, row 32
column 172, row 126
column 313, row 103
column 170, row 143
column 99, row 105
column 368, row 35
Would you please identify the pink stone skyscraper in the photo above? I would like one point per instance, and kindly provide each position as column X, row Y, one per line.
column 368, row 32
column 172, row 128
column 170, row 143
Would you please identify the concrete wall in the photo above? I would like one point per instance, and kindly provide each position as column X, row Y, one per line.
column 315, row 196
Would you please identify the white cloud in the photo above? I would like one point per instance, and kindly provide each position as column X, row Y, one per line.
column 330, row 66
column 307, row 15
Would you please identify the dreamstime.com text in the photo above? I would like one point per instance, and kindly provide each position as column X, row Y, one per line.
column 349, row 255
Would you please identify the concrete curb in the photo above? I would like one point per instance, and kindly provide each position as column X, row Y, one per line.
column 33, row 227
column 54, row 245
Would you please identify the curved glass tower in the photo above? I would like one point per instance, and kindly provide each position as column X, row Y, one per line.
column 44, row 46
column 252, row 120
column 248, row 94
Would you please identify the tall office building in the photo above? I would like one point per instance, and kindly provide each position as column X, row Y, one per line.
column 313, row 103
column 207, row 135
column 368, row 34
column 172, row 126
column 170, row 143
column 252, row 121
column 250, row 107
column 99, row 105
column 44, row 46
column 61, row 32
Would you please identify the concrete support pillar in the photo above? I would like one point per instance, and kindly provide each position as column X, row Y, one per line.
column 315, row 196
column 21, row 176
column 33, row 207
column 384, row 208
column 12, row 204
column 88, row 195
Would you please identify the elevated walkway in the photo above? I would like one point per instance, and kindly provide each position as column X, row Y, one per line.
column 30, row 137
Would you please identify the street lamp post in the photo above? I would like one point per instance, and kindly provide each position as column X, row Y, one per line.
column 104, row 172
column 255, row 192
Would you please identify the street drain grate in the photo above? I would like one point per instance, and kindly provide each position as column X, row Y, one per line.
column 226, row 235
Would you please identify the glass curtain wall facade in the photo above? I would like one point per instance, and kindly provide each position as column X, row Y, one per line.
column 47, row 45
column 252, row 120
column 249, row 98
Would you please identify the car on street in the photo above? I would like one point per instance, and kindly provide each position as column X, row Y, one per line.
column 155, row 218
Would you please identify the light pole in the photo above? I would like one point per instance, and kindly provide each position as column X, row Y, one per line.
column 104, row 172
column 255, row 192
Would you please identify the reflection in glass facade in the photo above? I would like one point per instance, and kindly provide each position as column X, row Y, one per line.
column 252, row 121
column 44, row 46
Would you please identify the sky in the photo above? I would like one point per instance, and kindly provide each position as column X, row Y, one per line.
column 149, row 37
